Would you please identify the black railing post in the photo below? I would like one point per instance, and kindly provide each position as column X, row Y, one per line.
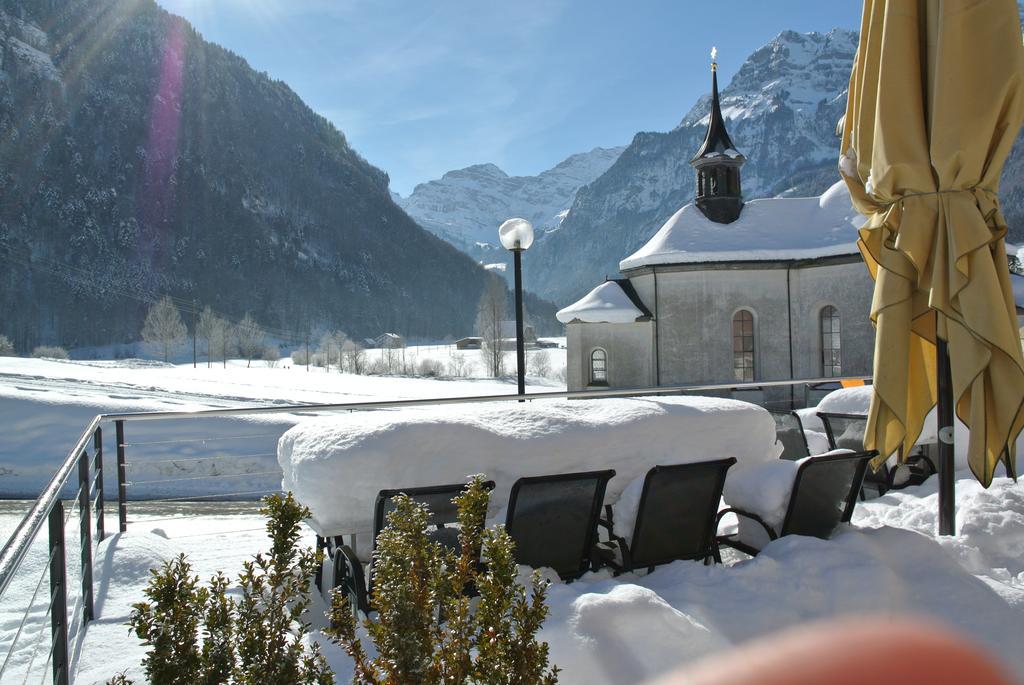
column 85, row 534
column 101, row 526
column 59, row 595
column 122, row 478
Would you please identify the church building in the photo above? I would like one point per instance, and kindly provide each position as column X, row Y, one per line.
column 730, row 291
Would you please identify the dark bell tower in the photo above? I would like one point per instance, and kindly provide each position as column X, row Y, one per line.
column 717, row 164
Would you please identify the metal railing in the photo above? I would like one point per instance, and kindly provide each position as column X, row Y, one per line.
column 88, row 501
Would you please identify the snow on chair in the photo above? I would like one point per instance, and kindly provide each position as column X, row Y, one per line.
column 823, row 495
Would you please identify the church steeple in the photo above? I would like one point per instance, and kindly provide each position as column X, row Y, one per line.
column 717, row 164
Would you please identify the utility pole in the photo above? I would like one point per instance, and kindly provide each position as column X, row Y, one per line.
column 193, row 332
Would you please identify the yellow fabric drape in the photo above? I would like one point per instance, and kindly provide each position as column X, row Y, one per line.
column 936, row 100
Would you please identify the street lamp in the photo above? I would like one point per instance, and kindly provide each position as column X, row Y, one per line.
column 516, row 235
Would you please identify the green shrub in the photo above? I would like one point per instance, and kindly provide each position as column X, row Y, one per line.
column 198, row 635
column 275, row 594
column 169, row 625
column 6, row 347
column 426, row 630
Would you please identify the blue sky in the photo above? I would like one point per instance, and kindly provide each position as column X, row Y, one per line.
column 421, row 88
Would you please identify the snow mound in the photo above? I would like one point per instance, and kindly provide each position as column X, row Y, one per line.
column 623, row 634
column 607, row 303
column 337, row 466
column 767, row 229
column 633, row 628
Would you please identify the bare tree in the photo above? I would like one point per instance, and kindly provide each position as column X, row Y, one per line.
column 331, row 343
column 489, row 315
column 539, row 364
column 222, row 339
column 163, row 328
column 206, row 330
column 250, row 337
column 355, row 357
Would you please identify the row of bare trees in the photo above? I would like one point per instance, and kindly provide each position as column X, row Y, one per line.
column 165, row 331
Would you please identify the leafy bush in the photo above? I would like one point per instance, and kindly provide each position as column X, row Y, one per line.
column 50, row 352
column 169, row 625
column 426, row 629
column 6, row 347
column 198, row 635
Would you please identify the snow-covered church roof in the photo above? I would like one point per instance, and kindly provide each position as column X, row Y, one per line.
column 769, row 229
column 610, row 302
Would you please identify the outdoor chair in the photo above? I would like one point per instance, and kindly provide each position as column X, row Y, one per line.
column 824, row 494
column 675, row 518
column 348, row 569
column 790, row 432
column 553, row 520
column 846, row 431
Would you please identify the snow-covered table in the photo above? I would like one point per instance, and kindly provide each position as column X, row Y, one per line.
column 336, row 466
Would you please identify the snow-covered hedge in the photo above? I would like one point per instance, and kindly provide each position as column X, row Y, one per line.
column 336, row 466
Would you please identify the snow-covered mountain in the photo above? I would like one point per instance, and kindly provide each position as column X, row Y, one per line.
column 782, row 107
column 466, row 206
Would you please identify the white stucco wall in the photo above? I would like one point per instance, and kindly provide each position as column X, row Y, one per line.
column 693, row 306
column 629, row 349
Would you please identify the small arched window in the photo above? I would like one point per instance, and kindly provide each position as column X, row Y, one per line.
column 599, row 367
column 831, row 346
column 743, row 346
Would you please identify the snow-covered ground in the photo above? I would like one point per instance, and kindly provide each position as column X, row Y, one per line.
column 601, row 629
column 626, row 629
column 45, row 404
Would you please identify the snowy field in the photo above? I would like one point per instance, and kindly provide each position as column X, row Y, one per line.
column 605, row 630
column 601, row 629
column 45, row 404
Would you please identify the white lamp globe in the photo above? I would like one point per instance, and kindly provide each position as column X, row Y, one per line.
column 516, row 234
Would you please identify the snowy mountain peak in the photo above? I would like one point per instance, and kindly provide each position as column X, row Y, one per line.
column 465, row 206
column 799, row 70
column 781, row 108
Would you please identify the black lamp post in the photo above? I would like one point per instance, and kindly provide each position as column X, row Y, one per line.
column 516, row 235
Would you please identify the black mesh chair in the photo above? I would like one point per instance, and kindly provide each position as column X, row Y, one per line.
column 790, row 432
column 348, row 569
column 846, row 431
column 553, row 520
column 824, row 494
column 675, row 518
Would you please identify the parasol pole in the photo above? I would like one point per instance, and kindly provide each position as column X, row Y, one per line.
column 947, row 503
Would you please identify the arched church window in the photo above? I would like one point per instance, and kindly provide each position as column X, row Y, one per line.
column 831, row 345
column 713, row 190
column 743, row 346
column 599, row 367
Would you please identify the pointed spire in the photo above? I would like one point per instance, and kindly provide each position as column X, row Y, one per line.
column 717, row 164
column 717, row 139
